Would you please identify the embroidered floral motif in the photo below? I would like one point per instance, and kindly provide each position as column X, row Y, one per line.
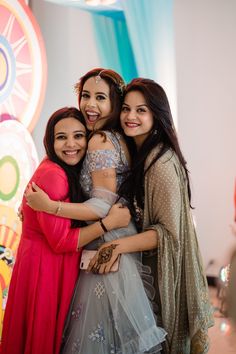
column 76, row 346
column 99, row 289
column 98, row 334
column 115, row 350
column 103, row 159
column 75, row 314
column 112, row 351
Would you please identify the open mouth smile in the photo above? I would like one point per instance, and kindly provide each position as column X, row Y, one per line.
column 71, row 152
column 92, row 116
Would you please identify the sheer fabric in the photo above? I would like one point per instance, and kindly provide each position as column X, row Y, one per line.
column 111, row 313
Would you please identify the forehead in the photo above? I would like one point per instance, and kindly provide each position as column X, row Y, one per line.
column 92, row 86
column 135, row 97
column 69, row 124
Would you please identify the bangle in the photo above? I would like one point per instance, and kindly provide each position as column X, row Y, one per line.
column 103, row 226
column 58, row 208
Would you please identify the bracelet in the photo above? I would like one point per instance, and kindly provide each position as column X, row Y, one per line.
column 103, row 226
column 58, row 208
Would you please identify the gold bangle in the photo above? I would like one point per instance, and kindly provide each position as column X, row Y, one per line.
column 58, row 208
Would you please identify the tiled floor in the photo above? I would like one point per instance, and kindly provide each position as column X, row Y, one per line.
column 222, row 335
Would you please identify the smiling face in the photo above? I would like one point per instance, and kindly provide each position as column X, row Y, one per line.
column 95, row 103
column 70, row 140
column 136, row 117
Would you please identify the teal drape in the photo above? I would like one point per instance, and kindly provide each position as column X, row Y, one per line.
column 136, row 38
column 151, row 29
column 150, row 26
column 113, row 45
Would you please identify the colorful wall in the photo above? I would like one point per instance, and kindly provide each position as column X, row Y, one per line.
column 22, row 87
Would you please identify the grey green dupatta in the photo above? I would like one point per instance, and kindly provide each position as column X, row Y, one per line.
column 181, row 286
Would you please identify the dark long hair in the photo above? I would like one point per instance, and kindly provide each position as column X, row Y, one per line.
column 72, row 172
column 163, row 133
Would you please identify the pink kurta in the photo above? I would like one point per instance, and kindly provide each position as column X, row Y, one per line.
column 44, row 274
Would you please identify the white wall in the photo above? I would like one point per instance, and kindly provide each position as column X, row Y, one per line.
column 71, row 52
column 206, row 87
column 206, row 80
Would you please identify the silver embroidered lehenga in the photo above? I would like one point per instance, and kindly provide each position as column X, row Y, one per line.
column 110, row 314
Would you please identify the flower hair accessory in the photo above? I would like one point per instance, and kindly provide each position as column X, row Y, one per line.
column 120, row 85
column 77, row 88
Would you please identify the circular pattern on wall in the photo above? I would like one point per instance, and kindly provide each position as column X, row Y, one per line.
column 23, row 64
column 9, row 177
column 18, row 161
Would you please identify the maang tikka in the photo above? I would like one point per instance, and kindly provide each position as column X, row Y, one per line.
column 98, row 77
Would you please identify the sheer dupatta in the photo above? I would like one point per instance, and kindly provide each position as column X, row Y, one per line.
column 131, row 310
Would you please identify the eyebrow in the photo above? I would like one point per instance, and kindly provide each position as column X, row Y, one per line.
column 139, row 105
column 97, row 93
column 76, row 131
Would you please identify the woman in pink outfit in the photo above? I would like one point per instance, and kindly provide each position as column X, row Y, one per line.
column 47, row 264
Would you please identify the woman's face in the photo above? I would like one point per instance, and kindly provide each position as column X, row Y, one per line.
column 136, row 118
column 70, row 141
column 95, row 103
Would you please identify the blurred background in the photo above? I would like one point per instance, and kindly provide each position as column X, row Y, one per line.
column 187, row 46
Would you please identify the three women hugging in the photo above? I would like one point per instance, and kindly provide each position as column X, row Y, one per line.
column 120, row 147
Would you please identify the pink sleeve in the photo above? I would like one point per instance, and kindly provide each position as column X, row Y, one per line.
column 57, row 230
column 58, row 233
